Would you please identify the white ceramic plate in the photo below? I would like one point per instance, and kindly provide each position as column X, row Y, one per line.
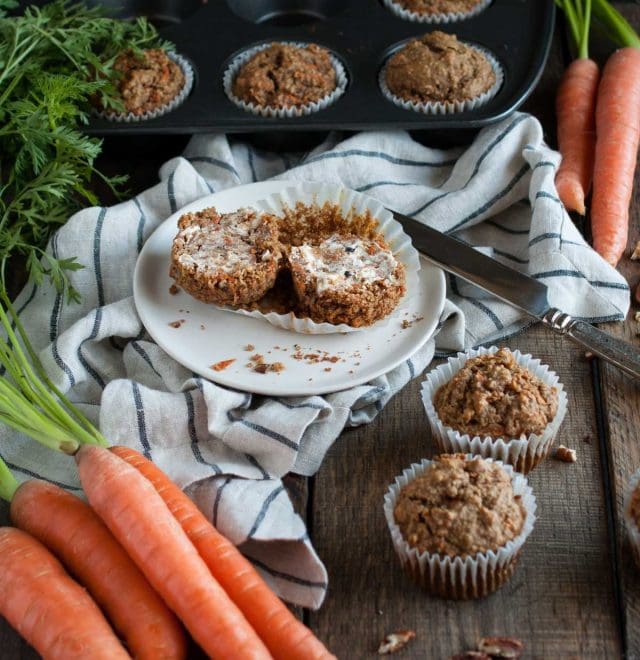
column 207, row 335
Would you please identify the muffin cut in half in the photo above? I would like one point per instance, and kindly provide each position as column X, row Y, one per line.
column 346, row 279
column 226, row 259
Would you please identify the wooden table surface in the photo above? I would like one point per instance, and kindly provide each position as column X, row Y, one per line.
column 575, row 593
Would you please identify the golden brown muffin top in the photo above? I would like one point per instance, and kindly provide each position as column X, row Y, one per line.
column 492, row 395
column 432, row 7
column 438, row 68
column 148, row 80
column 285, row 75
column 459, row 507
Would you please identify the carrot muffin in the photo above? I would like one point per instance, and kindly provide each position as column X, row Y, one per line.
column 227, row 259
column 285, row 75
column 346, row 279
column 147, row 81
column 458, row 523
column 437, row 68
column 459, row 507
column 438, row 7
column 492, row 395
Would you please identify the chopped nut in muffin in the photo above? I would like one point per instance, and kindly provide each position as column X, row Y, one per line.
column 492, row 395
column 285, row 75
column 459, row 507
column 437, row 68
column 147, row 81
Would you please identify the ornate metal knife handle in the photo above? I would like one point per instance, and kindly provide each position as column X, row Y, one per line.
column 618, row 352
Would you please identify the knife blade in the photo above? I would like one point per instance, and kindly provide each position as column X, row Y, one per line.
column 518, row 289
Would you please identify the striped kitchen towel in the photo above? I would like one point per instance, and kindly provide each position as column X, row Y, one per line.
column 232, row 450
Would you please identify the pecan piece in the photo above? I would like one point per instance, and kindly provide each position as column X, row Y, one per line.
column 395, row 641
column 501, row 647
column 566, row 455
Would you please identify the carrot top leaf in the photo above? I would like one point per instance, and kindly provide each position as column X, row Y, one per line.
column 578, row 15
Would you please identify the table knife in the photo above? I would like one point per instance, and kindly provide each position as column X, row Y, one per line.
column 517, row 289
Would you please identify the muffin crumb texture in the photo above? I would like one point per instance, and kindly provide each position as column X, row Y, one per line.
column 148, row 81
column 459, row 507
column 437, row 68
column 228, row 259
column 492, row 395
column 285, row 75
column 435, row 7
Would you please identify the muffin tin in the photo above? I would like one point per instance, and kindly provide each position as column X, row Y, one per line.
column 361, row 33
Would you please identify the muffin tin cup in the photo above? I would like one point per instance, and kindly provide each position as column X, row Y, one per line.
column 631, row 525
column 267, row 111
column 522, row 453
column 434, row 19
column 350, row 203
column 442, row 108
column 129, row 117
column 459, row 578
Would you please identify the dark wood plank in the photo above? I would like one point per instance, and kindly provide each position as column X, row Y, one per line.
column 621, row 408
column 560, row 601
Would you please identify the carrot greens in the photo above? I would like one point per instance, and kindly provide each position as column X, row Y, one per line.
column 52, row 60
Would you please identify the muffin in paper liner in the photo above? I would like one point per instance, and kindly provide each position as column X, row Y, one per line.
column 295, row 111
column 351, row 203
column 523, row 453
column 440, row 107
column 632, row 526
column 434, row 19
column 459, row 578
column 129, row 117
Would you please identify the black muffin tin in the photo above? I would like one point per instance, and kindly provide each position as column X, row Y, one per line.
column 361, row 33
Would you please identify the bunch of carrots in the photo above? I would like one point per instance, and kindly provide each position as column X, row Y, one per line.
column 599, row 125
column 120, row 577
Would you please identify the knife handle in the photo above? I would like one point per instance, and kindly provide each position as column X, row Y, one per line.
column 620, row 353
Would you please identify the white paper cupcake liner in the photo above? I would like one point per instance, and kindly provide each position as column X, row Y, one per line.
column 434, row 19
column 351, row 203
column 523, row 453
column 440, row 107
column 631, row 525
column 129, row 117
column 266, row 111
column 456, row 577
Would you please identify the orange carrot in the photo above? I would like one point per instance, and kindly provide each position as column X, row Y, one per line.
column 77, row 536
column 138, row 517
column 51, row 611
column 618, row 135
column 575, row 111
column 285, row 636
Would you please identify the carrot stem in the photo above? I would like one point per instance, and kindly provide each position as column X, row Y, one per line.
column 8, row 483
column 615, row 24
